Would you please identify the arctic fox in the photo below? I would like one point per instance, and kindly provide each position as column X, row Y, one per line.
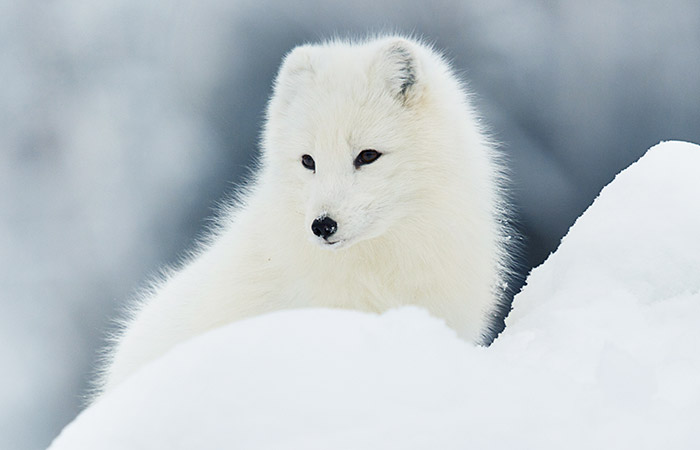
column 376, row 189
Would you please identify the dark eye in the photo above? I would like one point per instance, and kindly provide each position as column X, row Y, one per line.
column 366, row 157
column 308, row 162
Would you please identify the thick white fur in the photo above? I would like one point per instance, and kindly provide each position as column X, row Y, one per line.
column 419, row 226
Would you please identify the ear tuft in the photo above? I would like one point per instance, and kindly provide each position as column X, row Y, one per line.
column 296, row 61
column 400, row 69
column 295, row 72
column 406, row 75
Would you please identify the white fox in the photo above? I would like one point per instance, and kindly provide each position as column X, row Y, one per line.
column 376, row 189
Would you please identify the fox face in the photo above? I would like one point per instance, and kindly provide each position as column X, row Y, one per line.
column 347, row 200
column 346, row 135
column 354, row 178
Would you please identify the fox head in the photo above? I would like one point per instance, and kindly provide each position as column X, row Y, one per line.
column 346, row 135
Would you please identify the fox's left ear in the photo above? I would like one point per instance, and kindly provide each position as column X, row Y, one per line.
column 295, row 71
column 400, row 68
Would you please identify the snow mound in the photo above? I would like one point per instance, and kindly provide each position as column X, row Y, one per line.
column 600, row 352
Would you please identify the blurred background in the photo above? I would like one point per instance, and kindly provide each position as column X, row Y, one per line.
column 122, row 123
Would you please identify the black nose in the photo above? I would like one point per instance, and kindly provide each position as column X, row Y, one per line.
column 324, row 227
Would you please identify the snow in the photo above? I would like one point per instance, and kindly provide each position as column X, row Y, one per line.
column 600, row 351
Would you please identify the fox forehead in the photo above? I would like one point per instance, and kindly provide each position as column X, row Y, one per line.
column 340, row 123
column 346, row 106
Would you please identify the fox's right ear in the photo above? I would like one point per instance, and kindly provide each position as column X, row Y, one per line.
column 296, row 69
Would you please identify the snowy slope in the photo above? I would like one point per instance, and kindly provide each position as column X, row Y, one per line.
column 601, row 351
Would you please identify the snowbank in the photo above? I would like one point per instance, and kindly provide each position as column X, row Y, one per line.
column 600, row 352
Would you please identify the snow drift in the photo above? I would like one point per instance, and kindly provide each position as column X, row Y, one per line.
column 600, row 351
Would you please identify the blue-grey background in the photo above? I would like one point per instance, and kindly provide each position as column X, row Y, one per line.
column 122, row 122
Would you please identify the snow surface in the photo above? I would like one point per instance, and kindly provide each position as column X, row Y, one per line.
column 600, row 351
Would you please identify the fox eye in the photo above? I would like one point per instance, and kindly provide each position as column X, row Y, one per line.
column 308, row 162
column 366, row 157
